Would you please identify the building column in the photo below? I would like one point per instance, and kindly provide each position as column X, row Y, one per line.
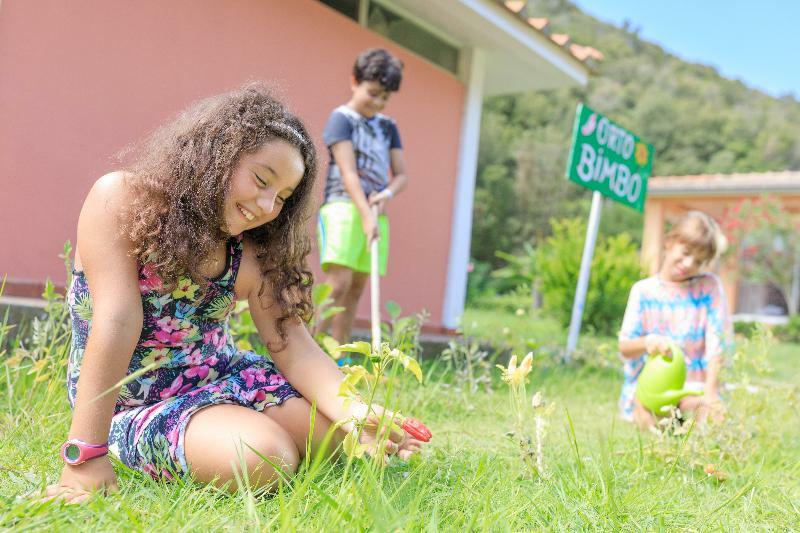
column 461, row 225
column 652, row 235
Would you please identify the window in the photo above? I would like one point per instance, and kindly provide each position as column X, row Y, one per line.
column 406, row 33
column 348, row 8
column 396, row 27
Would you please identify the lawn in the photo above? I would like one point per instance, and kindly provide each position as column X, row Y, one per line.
column 600, row 473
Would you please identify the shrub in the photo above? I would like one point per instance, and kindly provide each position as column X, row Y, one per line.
column 789, row 332
column 615, row 268
column 478, row 281
column 745, row 328
column 508, row 302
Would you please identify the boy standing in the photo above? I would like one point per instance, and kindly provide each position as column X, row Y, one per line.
column 364, row 146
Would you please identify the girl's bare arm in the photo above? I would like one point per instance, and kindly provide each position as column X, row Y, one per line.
column 302, row 362
column 104, row 256
column 112, row 276
column 633, row 348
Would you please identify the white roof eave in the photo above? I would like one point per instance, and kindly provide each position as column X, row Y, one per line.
column 519, row 57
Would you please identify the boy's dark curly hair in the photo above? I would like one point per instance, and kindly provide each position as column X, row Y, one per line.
column 181, row 174
column 376, row 64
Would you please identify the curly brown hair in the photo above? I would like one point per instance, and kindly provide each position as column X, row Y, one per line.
column 180, row 176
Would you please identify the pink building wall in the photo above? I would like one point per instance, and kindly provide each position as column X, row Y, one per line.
column 82, row 79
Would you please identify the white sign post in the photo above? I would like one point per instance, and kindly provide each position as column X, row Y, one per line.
column 613, row 162
column 583, row 276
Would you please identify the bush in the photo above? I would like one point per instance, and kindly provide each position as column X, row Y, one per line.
column 615, row 268
column 518, row 298
column 745, row 328
column 789, row 332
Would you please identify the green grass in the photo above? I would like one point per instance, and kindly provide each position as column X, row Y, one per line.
column 517, row 332
column 601, row 473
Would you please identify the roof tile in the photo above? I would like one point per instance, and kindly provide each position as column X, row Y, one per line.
column 585, row 54
column 515, row 5
column 538, row 23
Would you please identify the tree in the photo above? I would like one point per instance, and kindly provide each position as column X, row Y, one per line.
column 698, row 121
column 766, row 240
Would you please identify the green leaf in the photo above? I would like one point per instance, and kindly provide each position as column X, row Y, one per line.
column 361, row 347
column 330, row 311
column 218, row 307
column 352, row 376
column 329, row 344
column 352, row 448
column 408, row 362
column 83, row 307
column 320, row 293
column 394, row 309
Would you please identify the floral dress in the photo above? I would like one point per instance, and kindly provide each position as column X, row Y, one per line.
column 693, row 313
column 185, row 360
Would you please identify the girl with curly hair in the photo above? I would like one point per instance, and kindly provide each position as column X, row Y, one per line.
column 214, row 209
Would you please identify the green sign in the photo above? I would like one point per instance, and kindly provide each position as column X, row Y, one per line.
column 609, row 159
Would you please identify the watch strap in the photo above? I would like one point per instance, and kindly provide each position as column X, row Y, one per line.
column 76, row 451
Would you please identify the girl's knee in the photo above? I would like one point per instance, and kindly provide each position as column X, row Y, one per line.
column 266, row 457
column 294, row 416
column 269, row 451
column 223, row 442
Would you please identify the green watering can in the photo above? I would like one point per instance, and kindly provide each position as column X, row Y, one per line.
column 661, row 381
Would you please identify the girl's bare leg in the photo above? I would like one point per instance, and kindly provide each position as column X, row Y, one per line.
column 643, row 418
column 294, row 416
column 222, row 439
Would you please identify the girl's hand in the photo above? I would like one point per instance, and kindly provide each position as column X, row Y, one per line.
column 378, row 429
column 409, row 446
column 657, row 344
column 714, row 404
column 77, row 482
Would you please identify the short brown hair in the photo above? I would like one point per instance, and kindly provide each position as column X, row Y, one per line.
column 377, row 64
column 700, row 233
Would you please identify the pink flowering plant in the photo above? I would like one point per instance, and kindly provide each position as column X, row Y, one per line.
column 765, row 237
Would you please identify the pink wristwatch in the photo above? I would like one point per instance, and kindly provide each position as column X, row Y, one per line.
column 75, row 452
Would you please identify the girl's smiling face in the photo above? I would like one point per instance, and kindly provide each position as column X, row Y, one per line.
column 260, row 184
column 681, row 262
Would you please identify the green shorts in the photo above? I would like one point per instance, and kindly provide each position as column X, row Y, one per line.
column 342, row 240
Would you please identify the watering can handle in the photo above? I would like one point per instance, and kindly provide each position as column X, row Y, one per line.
column 675, row 350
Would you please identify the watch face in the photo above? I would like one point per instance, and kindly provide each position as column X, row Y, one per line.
column 72, row 452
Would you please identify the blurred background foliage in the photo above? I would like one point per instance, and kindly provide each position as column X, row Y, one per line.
column 698, row 121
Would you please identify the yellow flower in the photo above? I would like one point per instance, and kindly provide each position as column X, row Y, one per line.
column 527, row 364
column 156, row 355
column 185, row 288
column 515, row 375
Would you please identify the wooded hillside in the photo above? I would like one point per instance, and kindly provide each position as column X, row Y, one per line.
column 697, row 120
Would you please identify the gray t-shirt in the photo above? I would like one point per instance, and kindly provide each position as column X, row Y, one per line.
column 372, row 140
